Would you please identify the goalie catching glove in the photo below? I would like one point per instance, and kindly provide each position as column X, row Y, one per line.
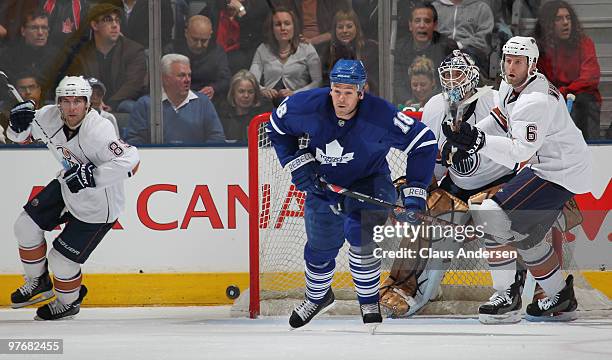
column 303, row 172
column 468, row 138
column 22, row 116
column 80, row 177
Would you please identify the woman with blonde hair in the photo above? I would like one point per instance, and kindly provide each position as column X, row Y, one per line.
column 283, row 64
column 244, row 101
column 348, row 42
column 422, row 81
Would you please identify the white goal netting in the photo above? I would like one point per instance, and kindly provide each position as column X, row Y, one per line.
column 278, row 238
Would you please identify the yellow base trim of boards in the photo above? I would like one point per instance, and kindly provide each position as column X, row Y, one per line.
column 184, row 289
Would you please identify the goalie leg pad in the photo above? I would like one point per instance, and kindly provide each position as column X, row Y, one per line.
column 400, row 294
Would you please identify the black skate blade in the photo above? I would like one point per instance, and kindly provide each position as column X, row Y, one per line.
column 35, row 300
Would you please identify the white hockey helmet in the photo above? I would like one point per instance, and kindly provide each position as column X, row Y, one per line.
column 522, row 46
column 73, row 86
column 459, row 75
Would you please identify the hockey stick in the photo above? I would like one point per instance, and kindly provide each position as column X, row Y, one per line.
column 458, row 117
column 570, row 102
column 46, row 138
column 385, row 204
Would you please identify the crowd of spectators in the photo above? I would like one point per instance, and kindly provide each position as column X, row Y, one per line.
column 223, row 64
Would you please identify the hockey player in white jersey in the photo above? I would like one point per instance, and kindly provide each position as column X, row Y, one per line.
column 87, row 195
column 543, row 134
column 462, row 176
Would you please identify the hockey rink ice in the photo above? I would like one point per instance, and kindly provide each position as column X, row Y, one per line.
column 211, row 333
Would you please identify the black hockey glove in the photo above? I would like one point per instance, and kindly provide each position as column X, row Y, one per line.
column 303, row 172
column 22, row 116
column 468, row 138
column 80, row 177
column 413, row 197
column 450, row 155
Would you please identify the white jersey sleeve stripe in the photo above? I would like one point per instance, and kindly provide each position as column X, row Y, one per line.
column 427, row 143
column 275, row 126
column 416, row 139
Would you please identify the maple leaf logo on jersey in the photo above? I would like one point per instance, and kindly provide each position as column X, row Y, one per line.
column 333, row 154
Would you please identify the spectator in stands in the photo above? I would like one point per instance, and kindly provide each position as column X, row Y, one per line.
column 65, row 18
column 315, row 18
column 347, row 38
column 135, row 20
column 33, row 51
column 569, row 61
column 282, row 63
column 470, row 24
column 243, row 102
column 423, row 40
column 28, row 84
column 189, row 117
column 237, row 28
column 211, row 72
column 112, row 58
column 422, row 79
column 11, row 17
column 97, row 95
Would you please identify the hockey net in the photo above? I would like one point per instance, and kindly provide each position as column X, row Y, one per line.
column 277, row 238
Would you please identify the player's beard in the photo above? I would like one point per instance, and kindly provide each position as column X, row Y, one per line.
column 73, row 127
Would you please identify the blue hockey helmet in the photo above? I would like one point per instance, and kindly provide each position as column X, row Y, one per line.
column 349, row 72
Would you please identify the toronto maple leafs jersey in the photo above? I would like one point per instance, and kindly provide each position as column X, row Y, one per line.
column 477, row 170
column 95, row 142
column 542, row 133
column 347, row 151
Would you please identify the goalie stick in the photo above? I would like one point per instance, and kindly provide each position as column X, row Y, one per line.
column 457, row 116
column 46, row 138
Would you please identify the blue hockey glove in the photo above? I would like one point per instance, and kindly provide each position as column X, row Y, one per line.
column 450, row 155
column 468, row 138
column 22, row 116
column 80, row 177
column 303, row 172
column 414, row 198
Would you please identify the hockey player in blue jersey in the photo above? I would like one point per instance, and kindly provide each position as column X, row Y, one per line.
column 350, row 133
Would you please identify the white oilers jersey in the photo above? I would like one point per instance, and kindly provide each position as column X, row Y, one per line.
column 542, row 133
column 95, row 142
column 477, row 170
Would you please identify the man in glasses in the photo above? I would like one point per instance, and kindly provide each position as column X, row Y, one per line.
column 32, row 52
column 112, row 58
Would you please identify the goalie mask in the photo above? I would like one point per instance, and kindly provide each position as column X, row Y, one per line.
column 459, row 76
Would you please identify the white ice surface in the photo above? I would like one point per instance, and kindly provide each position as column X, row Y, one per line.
column 210, row 333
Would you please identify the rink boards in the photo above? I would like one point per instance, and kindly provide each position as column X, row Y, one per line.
column 183, row 237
